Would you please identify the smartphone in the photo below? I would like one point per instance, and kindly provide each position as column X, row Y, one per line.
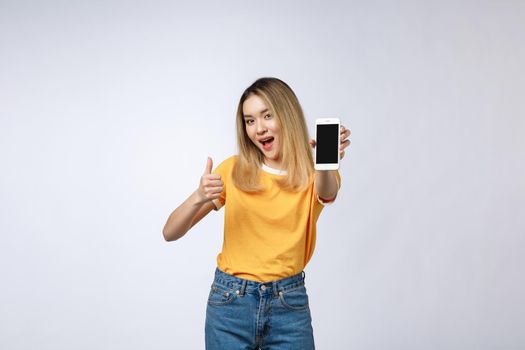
column 327, row 138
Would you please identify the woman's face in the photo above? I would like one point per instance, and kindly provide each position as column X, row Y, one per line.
column 263, row 130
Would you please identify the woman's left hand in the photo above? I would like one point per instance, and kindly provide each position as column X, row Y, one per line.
column 345, row 133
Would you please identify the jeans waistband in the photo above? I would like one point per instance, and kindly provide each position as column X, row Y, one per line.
column 242, row 286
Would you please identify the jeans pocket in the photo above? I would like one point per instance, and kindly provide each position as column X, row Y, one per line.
column 220, row 295
column 295, row 299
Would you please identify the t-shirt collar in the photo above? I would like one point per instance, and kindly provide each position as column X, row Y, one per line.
column 273, row 171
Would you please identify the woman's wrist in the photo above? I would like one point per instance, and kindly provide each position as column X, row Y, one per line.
column 325, row 183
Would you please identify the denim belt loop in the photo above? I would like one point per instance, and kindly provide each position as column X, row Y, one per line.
column 303, row 275
column 243, row 288
column 275, row 288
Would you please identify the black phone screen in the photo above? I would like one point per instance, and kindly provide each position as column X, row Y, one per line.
column 327, row 148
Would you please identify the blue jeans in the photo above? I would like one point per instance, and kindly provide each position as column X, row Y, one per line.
column 243, row 314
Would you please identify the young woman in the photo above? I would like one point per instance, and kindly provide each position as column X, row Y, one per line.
column 272, row 197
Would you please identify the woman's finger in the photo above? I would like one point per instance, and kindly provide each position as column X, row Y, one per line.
column 214, row 183
column 215, row 190
column 345, row 144
column 345, row 133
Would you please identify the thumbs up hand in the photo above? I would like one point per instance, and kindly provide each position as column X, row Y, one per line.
column 211, row 185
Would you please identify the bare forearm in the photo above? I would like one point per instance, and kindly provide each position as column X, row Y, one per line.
column 326, row 184
column 197, row 206
column 181, row 219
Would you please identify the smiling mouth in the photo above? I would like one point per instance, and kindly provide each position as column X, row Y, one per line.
column 267, row 143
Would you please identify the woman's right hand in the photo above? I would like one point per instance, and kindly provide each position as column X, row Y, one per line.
column 211, row 185
column 195, row 207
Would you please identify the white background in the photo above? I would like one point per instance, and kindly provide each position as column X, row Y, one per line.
column 109, row 109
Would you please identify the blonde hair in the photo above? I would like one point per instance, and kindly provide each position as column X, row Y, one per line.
column 296, row 152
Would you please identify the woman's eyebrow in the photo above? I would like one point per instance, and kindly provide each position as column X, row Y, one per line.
column 261, row 112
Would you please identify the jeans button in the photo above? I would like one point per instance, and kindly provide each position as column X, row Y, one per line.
column 263, row 287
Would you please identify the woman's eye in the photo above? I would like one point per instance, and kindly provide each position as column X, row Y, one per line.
column 268, row 116
column 248, row 121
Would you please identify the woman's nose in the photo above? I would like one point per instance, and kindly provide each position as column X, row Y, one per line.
column 261, row 128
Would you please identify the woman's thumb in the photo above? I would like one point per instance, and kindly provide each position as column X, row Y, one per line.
column 209, row 166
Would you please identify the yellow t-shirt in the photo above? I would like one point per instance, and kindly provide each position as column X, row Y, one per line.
column 268, row 235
